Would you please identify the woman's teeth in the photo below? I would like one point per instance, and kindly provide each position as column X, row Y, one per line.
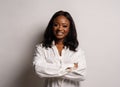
column 59, row 33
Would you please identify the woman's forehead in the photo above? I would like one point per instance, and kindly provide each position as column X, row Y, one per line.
column 61, row 19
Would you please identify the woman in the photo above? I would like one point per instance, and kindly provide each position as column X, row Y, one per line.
column 58, row 58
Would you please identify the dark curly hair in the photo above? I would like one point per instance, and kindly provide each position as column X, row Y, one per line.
column 70, row 41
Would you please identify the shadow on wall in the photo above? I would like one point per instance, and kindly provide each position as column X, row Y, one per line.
column 29, row 78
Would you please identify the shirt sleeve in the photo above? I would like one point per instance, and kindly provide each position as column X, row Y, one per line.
column 45, row 69
column 80, row 73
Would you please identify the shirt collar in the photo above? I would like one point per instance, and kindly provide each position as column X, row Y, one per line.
column 53, row 44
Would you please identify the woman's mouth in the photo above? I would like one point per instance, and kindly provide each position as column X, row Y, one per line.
column 59, row 33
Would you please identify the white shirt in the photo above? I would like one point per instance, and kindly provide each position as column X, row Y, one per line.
column 50, row 65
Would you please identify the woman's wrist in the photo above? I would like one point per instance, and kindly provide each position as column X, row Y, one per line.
column 71, row 68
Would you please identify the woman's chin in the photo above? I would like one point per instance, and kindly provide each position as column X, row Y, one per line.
column 59, row 38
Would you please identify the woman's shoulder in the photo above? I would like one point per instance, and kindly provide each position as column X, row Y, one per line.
column 79, row 49
column 39, row 46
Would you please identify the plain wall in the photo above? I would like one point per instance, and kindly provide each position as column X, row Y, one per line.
column 22, row 23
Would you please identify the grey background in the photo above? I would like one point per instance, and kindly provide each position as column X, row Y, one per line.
column 22, row 23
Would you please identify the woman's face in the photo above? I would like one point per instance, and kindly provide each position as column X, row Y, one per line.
column 61, row 27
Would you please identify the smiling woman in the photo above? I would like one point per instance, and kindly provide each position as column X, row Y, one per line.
column 60, row 30
column 61, row 27
column 58, row 58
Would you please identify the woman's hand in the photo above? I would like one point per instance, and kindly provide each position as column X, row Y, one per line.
column 69, row 69
column 75, row 65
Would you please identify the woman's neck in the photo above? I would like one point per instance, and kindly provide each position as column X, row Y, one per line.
column 59, row 42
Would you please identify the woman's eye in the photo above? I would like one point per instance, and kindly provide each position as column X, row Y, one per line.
column 55, row 25
column 65, row 26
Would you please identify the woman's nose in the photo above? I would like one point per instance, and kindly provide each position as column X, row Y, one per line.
column 60, row 28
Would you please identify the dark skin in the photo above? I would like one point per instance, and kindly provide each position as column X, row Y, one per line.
column 61, row 28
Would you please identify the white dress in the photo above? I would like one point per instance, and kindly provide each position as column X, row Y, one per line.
column 51, row 66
